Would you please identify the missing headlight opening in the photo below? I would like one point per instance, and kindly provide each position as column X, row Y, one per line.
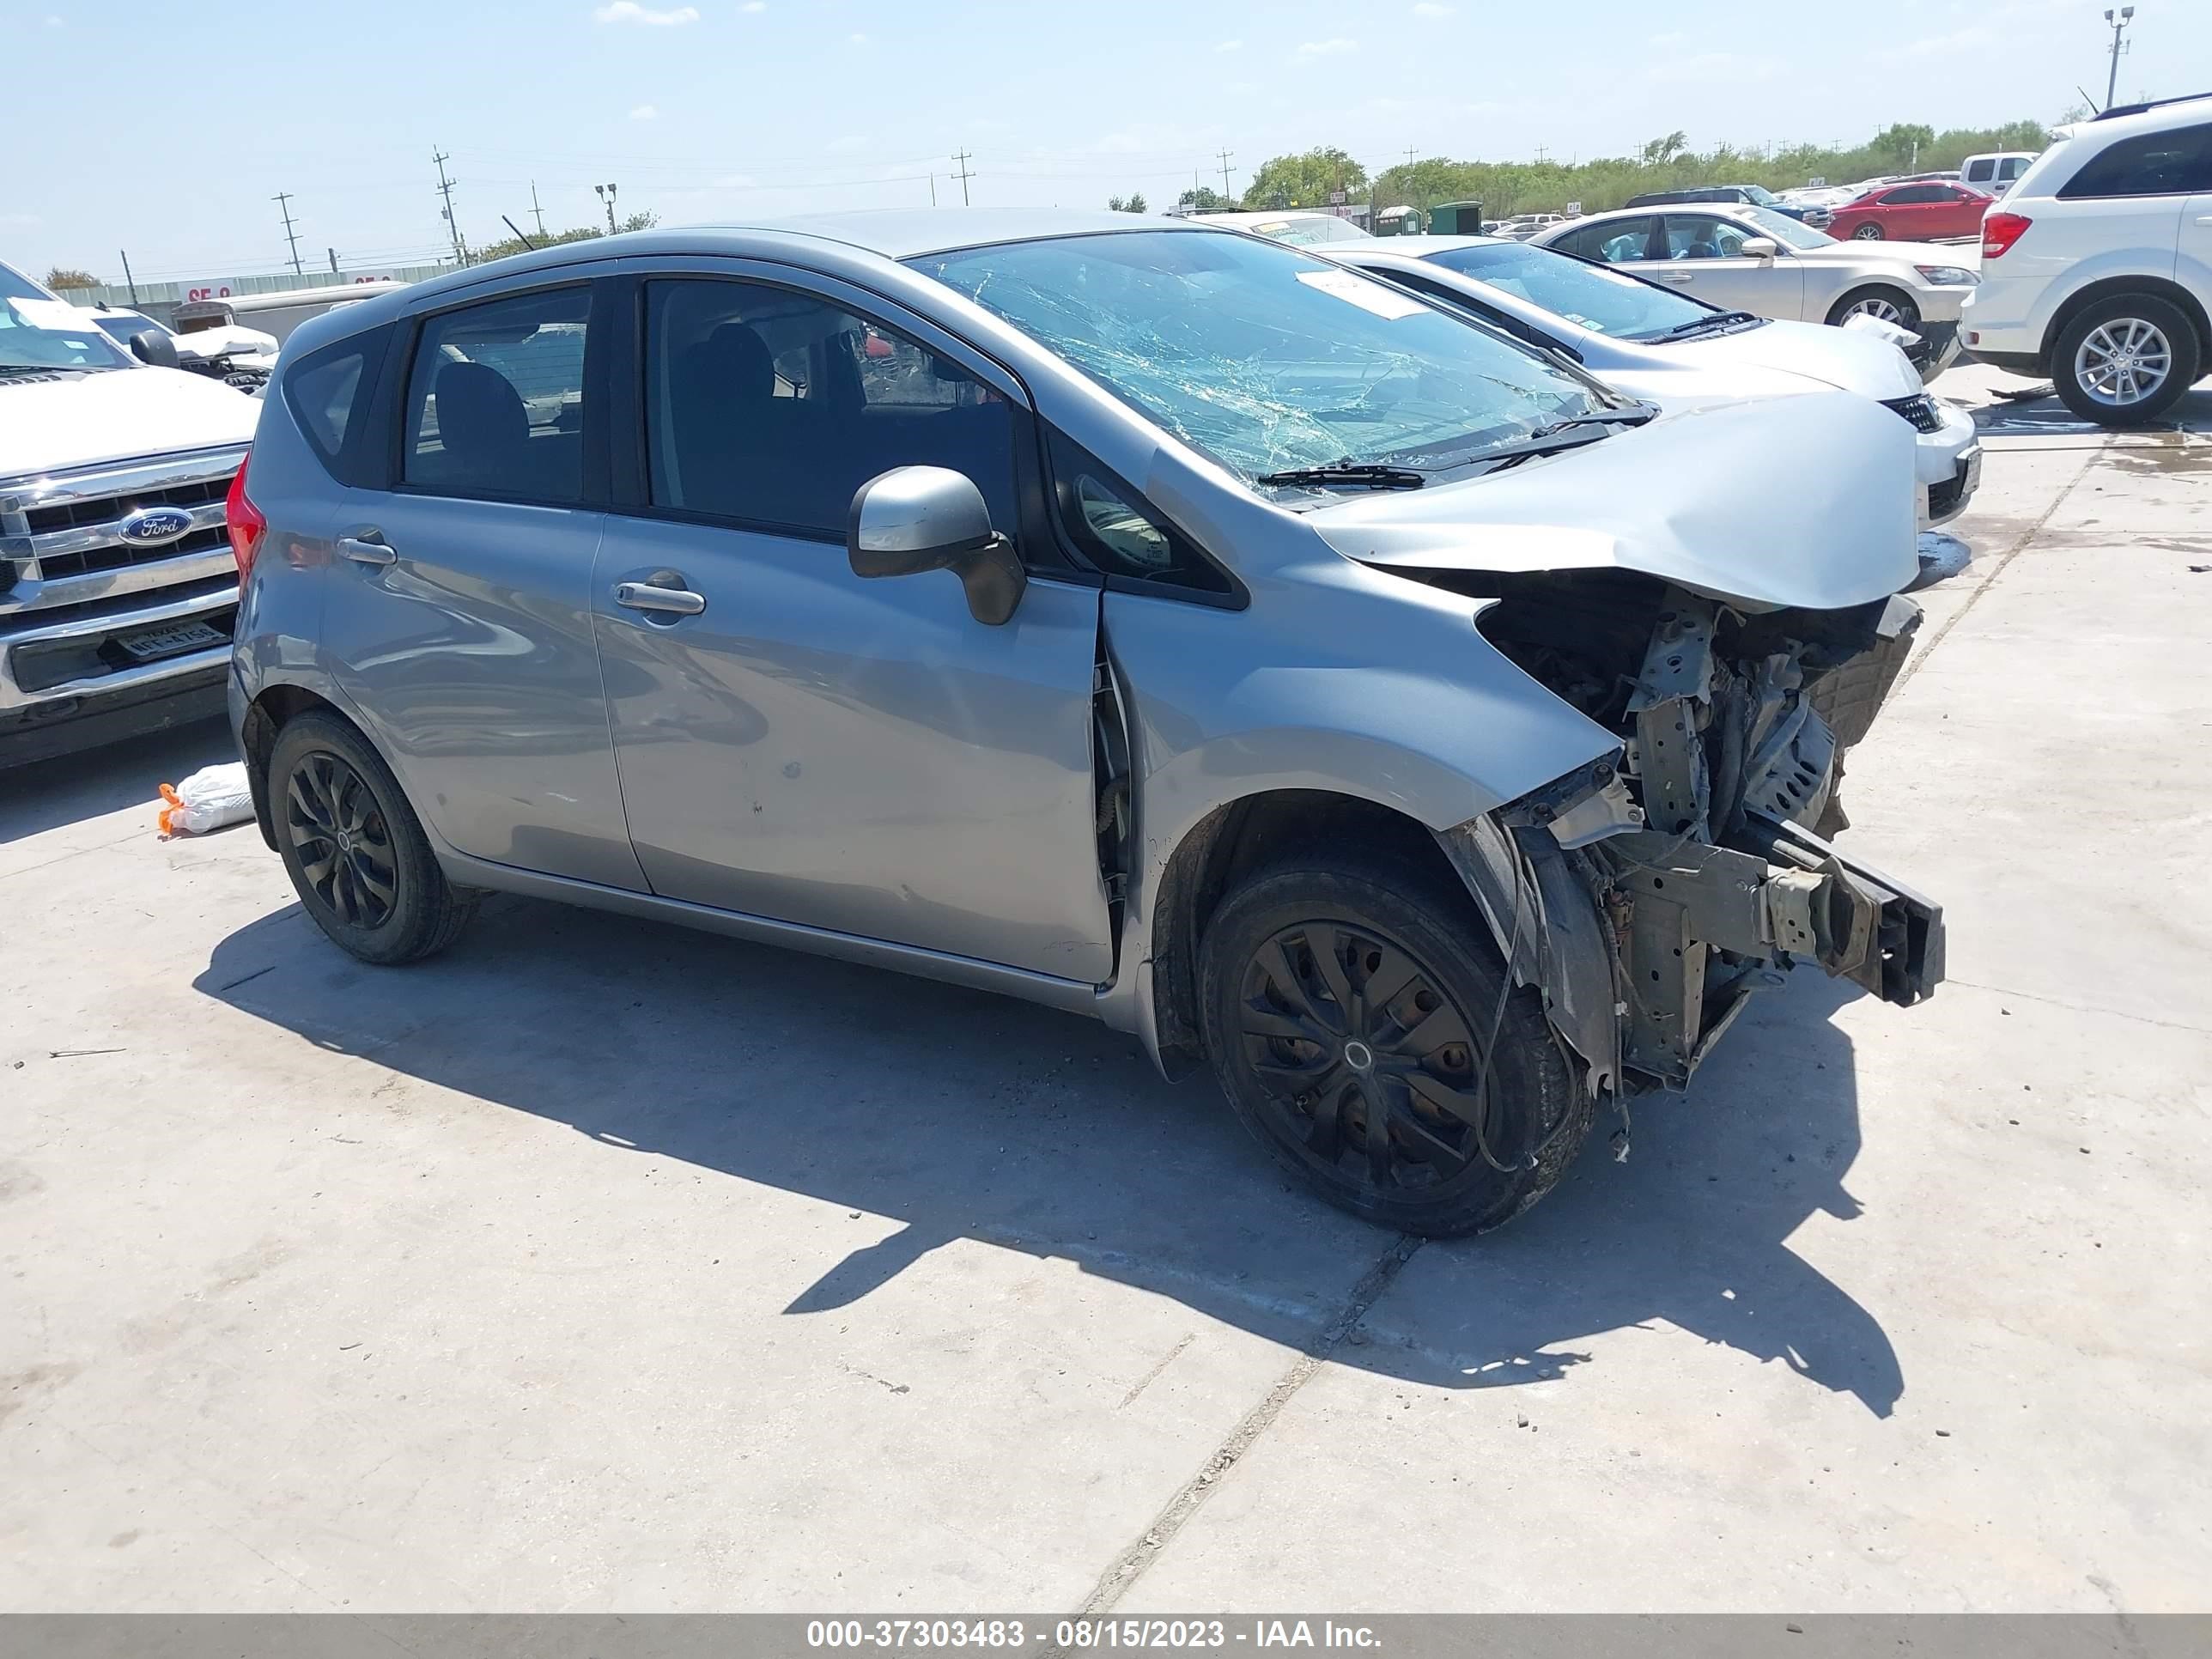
column 1690, row 870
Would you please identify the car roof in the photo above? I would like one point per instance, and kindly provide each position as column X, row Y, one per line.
column 906, row 233
column 1420, row 247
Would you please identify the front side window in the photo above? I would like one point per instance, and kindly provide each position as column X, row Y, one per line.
column 495, row 400
column 1603, row 302
column 1781, row 228
column 772, row 406
column 1704, row 237
column 1265, row 358
column 2176, row 163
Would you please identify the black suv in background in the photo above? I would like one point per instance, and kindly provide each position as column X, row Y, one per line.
column 1756, row 194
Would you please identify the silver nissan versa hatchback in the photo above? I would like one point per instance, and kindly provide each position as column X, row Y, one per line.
column 1149, row 621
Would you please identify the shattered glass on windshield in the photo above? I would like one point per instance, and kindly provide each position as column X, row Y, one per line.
column 1266, row 359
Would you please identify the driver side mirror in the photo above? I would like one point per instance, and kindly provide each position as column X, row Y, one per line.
column 151, row 346
column 913, row 518
column 1759, row 247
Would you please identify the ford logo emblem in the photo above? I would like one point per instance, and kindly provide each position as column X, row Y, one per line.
column 151, row 526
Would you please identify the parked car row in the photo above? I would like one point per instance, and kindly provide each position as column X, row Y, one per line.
column 1331, row 687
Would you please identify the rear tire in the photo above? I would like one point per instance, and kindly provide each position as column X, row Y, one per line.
column 1891, row 304
column 1285, row 973
column 355, row 851
column 2137, row 329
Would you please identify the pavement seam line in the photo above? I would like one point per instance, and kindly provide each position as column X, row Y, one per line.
column 2079, row 1007
column 2004, row 561
column 63, row 858
column 1134, row 1562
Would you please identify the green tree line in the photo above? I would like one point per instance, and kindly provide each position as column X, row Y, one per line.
column 555, row 238
column 1667, row 162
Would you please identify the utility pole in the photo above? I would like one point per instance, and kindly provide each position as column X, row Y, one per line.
column 445, row 190
column 606, row 195
column 129, row 281
column 1543, row 153
column 2119, row 24
column 1224, row 153
column 334, row 260
column 536, row 209
column 963, row 175
column 283, row 200
column 933, row 190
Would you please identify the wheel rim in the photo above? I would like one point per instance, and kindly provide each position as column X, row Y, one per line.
column 1366, row 1064
column 1868, row 232
column 1887, row 311
column 2123, row 361
column 343, row 843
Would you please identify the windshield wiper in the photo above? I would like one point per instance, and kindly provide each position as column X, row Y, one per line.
column 1634, row 414
column 1700, row 324
column 32, row 368
column 1364, row 475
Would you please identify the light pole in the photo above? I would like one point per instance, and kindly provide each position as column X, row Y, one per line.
column 606, row 195
column 2119, row 24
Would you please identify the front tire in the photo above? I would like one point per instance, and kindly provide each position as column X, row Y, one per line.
column 1345, row 1010
column 2126, row 360
column 355, row 852
column 1869, row 232
column 1877, row 300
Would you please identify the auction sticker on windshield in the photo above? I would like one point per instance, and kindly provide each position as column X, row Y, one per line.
column 1387, row 303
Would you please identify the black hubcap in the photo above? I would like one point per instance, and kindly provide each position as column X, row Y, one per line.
column 1368, row 1065
column 344, row 845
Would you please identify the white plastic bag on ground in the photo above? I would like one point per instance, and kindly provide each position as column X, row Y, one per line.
column 209, row 799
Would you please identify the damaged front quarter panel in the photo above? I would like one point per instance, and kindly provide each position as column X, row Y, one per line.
column 1649, row 896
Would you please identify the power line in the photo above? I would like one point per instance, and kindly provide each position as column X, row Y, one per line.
column 283, row 200
column 963, row 175
column 445, row 190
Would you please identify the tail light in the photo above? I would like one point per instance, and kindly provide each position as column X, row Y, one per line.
column 2000, row 231
column 244, row 521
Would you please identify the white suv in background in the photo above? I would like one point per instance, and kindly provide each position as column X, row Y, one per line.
column 2097, row 266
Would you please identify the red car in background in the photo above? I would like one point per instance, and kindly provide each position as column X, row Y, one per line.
column 1921, row 211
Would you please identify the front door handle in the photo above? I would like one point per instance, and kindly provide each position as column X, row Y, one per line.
column 361, row 550
column 2202, row 218
column 671, row 601
column 1674, row 277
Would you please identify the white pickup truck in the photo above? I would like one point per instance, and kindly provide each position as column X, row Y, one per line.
column 118, row 586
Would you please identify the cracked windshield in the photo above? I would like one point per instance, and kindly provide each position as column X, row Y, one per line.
column 1266, row 359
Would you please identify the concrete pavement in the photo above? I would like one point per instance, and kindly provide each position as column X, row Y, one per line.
column 602, row 1266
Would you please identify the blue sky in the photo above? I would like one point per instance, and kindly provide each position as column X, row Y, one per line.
column 165, row 131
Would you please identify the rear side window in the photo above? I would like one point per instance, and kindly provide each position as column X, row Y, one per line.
column 2176, row 163
column 495, row 400
column 1616, row 241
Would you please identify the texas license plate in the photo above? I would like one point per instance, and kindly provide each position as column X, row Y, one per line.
column 151, row 644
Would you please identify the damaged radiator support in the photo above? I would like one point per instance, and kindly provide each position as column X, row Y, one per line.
column 1687, row 852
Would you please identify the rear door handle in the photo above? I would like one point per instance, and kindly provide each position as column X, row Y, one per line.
column 2204, row 218
column 361, row 550
column 673, row 601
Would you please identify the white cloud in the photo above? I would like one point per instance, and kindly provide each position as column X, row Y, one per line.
column 857, row 40
column 1328, row 48
column 848, row 144
column 1957, row 40
column 629, row 11
column 644, row 112
column 1670, row 41
column 1430, row 9
column 735, row 181
column 26, row 220
column 1230, row 45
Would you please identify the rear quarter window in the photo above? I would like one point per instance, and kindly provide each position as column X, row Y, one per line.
column 328, row 393
column 2176, row 163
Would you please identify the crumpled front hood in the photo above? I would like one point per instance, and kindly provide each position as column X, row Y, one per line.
column 116, row 414
column 1844, row 357
column 1766, row 503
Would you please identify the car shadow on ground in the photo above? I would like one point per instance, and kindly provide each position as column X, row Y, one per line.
column 47, row 794
column 966, row 1116
column 2022, row 415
